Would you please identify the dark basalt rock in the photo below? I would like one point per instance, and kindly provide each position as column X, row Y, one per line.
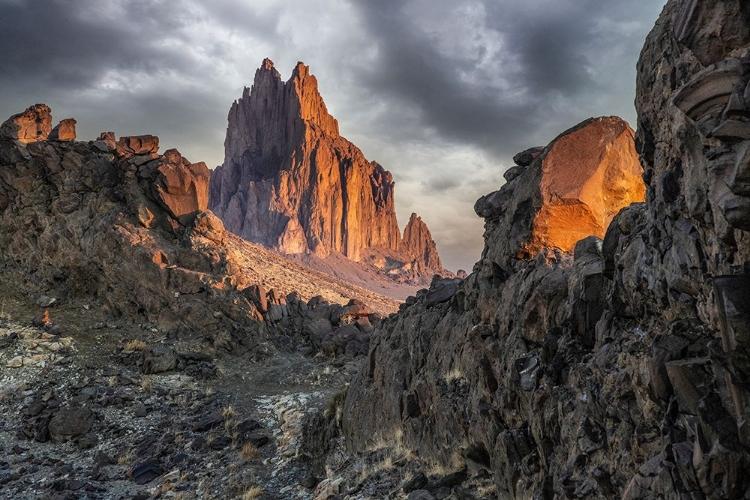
column 621, row 369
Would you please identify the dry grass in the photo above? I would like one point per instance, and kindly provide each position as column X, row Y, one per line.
column 252, row 493
column 455, row 374
column 146, row 384
column 125, row 458
column 336, row 404
column 249, row 451
column 457, row 463
column 229, row 413
column 135, row 345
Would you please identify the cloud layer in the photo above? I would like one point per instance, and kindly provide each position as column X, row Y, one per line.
column 441, row 92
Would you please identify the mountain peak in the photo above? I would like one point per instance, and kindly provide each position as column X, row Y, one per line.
column 291, row 183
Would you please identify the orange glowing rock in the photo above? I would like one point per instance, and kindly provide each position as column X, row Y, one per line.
column 571, row 190
column 588, row 175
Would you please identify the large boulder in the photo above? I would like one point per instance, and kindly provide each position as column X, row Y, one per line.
column 64, row 131
column 571, row 190
column 32, row 125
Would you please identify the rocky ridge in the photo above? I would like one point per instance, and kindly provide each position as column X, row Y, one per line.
column 292, row 183
column 617, row 370
column 116, row 222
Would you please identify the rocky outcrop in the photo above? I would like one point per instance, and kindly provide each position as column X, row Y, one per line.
column 290, row 182
column 64, row 131
column 119, row 224
column 418, row 244
column 34, row 124
column 620, row 370
column 572, row 189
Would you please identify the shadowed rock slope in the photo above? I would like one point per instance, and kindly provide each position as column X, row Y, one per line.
column 620, row 370
column 291, row 183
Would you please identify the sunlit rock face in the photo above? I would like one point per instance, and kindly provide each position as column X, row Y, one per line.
column 419, row 245
column 290, row 182
column 34, row 124
column 571, row 190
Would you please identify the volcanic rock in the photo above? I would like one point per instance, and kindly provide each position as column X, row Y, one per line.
column 571, row 190
column 34, row 124
column 527, row 156
column 182, row 187
column 70, row 423
column 64, row 131
column 290, row 182
column 620, row 371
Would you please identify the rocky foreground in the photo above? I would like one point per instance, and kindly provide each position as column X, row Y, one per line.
column 619, row 370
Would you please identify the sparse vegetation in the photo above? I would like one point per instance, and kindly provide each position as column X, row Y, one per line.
column 146, row 384
column 135, row 345
column 252, row 493
column 125, row 459
column 336, row 404
column 455, row 374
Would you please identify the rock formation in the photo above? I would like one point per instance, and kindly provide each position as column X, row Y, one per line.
column 290, row 182
column 620, row 370
column 34, row 124
column 64, row 131
column 418, row 244
column 119, row 223
column 580, row 182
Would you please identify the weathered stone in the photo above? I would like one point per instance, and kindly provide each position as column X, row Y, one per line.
column 137, row 145
column 32, row 125
column 64, row 131
column 573, row 190
column 182, row 187
column 419, row 245
column 70, row 423
column 158, row 359
column 526, row 157
column 621, row 371
column 290, row 182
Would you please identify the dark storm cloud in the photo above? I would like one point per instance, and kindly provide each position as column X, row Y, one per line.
column 551, row 57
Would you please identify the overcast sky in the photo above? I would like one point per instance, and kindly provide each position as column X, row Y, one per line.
column 440, row 92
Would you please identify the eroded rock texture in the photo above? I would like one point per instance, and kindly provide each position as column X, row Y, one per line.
column 118, row 223
column 290, row 182
column 572, row 189
column 620, row 370
column 34, row 124
column 418, row 244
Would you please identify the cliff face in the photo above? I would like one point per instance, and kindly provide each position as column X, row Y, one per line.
column 620, row 370
column 289, row 180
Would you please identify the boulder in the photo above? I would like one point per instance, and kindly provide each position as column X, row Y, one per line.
column 70, row 423
column 571, row 190
column 527, row 156
column 32, row 125
column 64, row 131
column 182, row 187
